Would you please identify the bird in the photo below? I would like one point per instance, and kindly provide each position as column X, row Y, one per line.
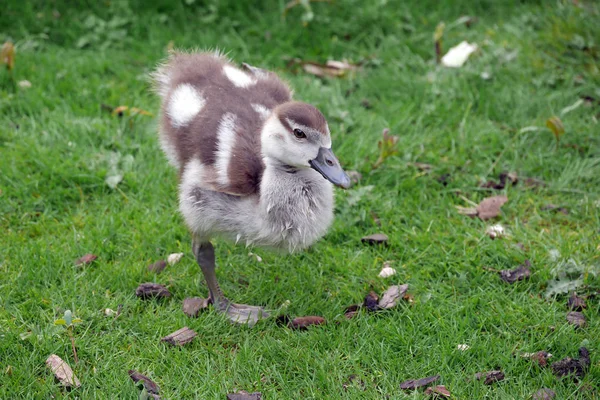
column 255, row 166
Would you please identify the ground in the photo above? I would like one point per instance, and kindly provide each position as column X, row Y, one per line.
column 59, row 143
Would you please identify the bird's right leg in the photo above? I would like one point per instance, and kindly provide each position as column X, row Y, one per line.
column 240, row 313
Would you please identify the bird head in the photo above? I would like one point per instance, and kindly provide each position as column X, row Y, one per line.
column 297, row 134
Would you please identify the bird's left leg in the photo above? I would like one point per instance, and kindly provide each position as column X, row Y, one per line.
column 240, row 313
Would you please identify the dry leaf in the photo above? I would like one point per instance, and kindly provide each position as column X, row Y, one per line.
column 86, row 259
column 576, row 303
column 148, row 383
column 576, row 318
column 556, row 126
column 150, row 290
column 302, row 323
column 458, row 55
column 157, row 267
column 570, row 366
column 490, row 207
column 490, row 376
column 387, row 146
column 544, row 394
column 174, row 258
column 438, row 391
column 193, row 305
column 180, row 337
column 371, row 301
column 352, row 311
column 417, row 383
column 62, row 371
column 377, row 238
column 390, row 297
column 387, row 271
column 517, row 274
column 331, row 68
column 243, row 395
column 7, row 55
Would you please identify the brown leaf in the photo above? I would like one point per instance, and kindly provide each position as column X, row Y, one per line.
column 377, row 238
column 243, row 395
column 576, row 318
column 556, row 126
column 149, row 290
column 417, row 383
column 517, row 274
column 331, row 68
column 371, row 301
column 490, row 376
column 438, row 392
column 352, row 311
column 193, row 305
column 62, row 371
column 302, row 323
column 7, row 55
column 390, row 297
column 576, row 303
column 570, row 366
column 86, row 259
column 541, row 357
column 157, row 267
column 544, row 394
column 180, row 337
column 148, row 383
column 490, row 207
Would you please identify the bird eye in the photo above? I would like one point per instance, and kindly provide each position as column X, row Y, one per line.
column 299, row 133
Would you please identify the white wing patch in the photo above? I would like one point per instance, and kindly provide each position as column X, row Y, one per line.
column 263, row 111
column 225, row 142
column 185, row 103
column 237, row 77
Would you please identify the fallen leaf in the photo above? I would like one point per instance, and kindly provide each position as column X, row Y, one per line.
column 387, row 146
column 180, row 337
column 150, row 290
column 243, row 395
column 556, row 126
column 148, row 383
column 544, row 394
column 157, row 267
column 458, row 55
column 7, row 55
column 174, row 258
column 504, row 179
column 576, row 303
column 86, row 259
column 62, row 371
column 377, row 238
column 302, row 323
column 193, row 305
column 570, row 366
column 352, row 311
column 490, row 207
column 371, row 301
column 24, row 84
column 490, row 377
column 417, row 383
column 495, row 231
column 463, row 347
column 390, row 297
column 541, row 357
column 438, row 391
column 387, row 271
column 576, row 318
column 517, row 274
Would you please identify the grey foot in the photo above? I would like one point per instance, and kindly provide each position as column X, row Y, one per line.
column 244, row 314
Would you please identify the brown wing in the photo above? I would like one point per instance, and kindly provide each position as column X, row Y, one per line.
column 221, row 95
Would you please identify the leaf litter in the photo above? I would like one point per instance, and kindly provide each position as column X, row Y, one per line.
column 413, row 384
column 488, row 208
column 152, row 290
column 244, row 395
column 193, row 305
column 180, row 337
column 517, row 274
column 576, row 303
column 438, row 391
column 86, row 259
column 577, row 368
column 148, row 383
column 490, row 376
column 576, row 318
column 157, row 267
column 544, row 394
column 62, row 371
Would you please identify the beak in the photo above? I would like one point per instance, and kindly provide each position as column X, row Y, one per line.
column 328, row 165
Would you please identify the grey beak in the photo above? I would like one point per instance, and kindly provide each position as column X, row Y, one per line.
column 328, row 165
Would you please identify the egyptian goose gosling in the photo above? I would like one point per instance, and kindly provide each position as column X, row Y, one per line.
column 254, row 166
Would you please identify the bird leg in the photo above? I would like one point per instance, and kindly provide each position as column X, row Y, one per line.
column 240, row 313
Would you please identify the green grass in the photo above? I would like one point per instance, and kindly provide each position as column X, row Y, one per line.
column 55, row 148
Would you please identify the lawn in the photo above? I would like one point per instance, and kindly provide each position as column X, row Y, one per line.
column 59, row 142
